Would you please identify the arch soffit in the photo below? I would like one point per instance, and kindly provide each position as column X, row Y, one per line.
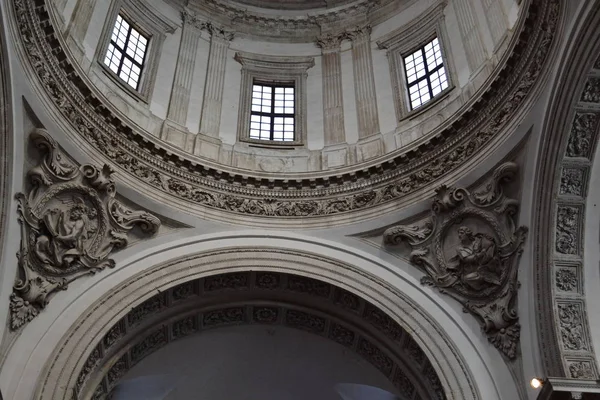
column 572, row 128
column 260, row 298
column 69, row 357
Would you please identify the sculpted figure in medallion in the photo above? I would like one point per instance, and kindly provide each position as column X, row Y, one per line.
column 70, row 223
column 65, row 234
column 475, row 259
column 469, row 248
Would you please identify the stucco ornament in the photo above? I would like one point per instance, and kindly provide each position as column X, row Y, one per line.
column 469, row 248
column 70, row 224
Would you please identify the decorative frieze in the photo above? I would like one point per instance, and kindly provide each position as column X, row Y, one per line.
column 583, row 131
column 364, row 81
column 570, row 317
column 591, row 91
column 208, row 187
column 210, row 120
column 568, row 225
column 573, row 181
column 333, row 97
column 71, row 223
column 567, row 279
column 469, row 248
column 582, row 370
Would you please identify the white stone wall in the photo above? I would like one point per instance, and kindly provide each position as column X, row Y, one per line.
column 475, row 30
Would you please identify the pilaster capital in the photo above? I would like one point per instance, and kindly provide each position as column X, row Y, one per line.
column 218, row 32
column 359, row 33
column 330, row 42
column 191, row 19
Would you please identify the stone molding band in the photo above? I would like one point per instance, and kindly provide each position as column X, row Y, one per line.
column 213, row 187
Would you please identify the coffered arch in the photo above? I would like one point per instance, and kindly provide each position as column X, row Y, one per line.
column 70, row 336
column 566, row 161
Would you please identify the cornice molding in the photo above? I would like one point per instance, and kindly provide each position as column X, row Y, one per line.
column 213, row 186
column 252, row 21
column 281, row 64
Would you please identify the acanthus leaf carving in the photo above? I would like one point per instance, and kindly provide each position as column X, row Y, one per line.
column 469, row 248
column 197, row 187
column 70, row 224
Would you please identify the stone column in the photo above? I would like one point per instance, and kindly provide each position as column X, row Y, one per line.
column 212, row 104
column 333, row 101
column 80, row 20
column 184, row 70
column 469, row 32
column 364, row 81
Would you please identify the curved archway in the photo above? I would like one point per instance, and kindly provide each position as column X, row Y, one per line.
column 439, row 340
column 261, row 298
column 565, row 159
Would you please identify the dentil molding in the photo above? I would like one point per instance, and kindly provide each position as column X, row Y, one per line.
column 469, row 247
column 213, row 186
column 70, row 224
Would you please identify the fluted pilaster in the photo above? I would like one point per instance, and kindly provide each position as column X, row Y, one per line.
column 470, row 33
column 364, row 81
column 80, row 19
column 215, row 78
column 184, row 71
column 496, row 19
column 333, row 101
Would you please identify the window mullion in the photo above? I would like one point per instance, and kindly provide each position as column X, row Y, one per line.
column 427, row 73
column 124, row 50
column 272, row 126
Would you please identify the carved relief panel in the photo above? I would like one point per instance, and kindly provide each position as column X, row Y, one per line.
column 70, row 223
column 469, row 248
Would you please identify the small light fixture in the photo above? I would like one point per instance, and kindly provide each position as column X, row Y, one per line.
column 536, row 383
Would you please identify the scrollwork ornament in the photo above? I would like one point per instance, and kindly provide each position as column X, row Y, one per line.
column 469, row 248
column 70, row 224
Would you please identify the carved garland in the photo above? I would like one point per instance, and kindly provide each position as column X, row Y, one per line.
column 469, row 248
column 70, row 224
column 247, row 195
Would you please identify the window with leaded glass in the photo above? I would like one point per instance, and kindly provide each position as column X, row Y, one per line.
column 272, row 115
column 126, row 52
column 425, row 74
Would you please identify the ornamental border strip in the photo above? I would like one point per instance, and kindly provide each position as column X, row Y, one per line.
column 207, row 186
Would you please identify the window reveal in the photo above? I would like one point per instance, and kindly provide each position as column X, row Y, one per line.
column 425, row 74
column 126, row 52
